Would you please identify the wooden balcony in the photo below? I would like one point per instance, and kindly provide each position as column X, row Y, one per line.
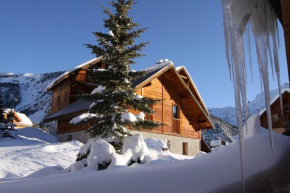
column 81, row 77
column 176, row 126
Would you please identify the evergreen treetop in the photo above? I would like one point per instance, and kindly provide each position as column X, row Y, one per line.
column 115, row 95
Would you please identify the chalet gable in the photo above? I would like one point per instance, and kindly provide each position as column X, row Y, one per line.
column 187, row 90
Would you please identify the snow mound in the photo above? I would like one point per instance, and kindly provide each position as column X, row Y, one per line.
column 156, row 144
column 37, row 134
column 136, row 146
column 100, row 152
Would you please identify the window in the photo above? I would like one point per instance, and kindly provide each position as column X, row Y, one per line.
column 275, row 117
column 149, row 117
column 175, row 112
column 66, row 96
column 185, row 148
column 69, row 137
column 58, row 100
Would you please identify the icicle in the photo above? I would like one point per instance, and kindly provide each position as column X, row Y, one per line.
column 227, row 37
column 238, row 16
column 260, row 32
column 248, row 39
column 270, row 55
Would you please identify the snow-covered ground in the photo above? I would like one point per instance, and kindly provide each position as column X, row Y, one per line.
column 33, row 150
column 165, row 173
column 202, row 174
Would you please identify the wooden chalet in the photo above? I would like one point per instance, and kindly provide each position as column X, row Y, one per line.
column 181, row 109
column 280, row 123
column 19, row 119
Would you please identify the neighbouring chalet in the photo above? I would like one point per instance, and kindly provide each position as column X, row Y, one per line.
column 181, row 109
column 19, row 119
column 280, row 124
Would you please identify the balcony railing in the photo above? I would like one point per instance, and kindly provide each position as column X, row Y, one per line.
column 176, row 126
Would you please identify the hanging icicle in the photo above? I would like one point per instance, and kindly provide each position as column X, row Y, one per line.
column 240, row 18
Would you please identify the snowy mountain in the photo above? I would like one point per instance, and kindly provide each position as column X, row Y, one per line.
column 222, row 131
column 228, row 114
column 28, row 89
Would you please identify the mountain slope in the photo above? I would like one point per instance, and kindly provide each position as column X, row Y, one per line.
column 222, row 131
column 228, row 114
column 29, row 91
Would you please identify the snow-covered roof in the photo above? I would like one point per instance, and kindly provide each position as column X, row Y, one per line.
column 24, row 120
column 152, row 70
column 77, row 106
column 179, row 68
column 159, row 65
column 275, row 98
column 66, row 73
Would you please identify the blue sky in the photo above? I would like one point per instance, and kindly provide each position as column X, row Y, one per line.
column 41, row 36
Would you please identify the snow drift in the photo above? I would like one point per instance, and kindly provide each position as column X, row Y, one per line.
column 201, row 174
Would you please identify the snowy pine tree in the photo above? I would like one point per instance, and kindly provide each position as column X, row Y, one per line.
column 115, row 95
column 2, row 120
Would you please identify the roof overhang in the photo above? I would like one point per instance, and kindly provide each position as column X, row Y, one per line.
column 67, row 74
column 276, row 4
column 194, row 86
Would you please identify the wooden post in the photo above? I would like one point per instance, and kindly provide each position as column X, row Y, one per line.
column 180, row 117
column 285, row 7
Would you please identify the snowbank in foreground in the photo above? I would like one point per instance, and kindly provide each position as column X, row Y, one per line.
column 201, row 174
column 33, row 150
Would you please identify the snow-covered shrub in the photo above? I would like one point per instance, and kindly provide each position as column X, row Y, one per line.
column 136, row 146
column 7, row 130
column 85, row 150
column 101, row 153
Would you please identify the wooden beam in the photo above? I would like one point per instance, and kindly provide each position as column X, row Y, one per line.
column 162, row 121
column 183, row 77
column 285, row 7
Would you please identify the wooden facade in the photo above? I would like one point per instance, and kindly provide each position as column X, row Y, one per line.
column 280, row 123
column 177, row 92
